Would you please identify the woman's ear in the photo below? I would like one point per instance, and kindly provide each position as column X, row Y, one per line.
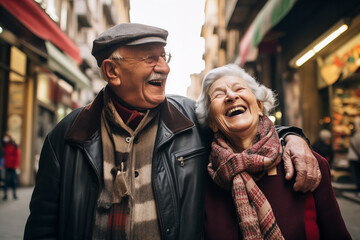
column 261, row 107
column 213, row 126
column 111, row 72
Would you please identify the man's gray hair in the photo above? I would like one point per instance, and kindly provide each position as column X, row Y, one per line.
column 262, row 93
column 115, row 55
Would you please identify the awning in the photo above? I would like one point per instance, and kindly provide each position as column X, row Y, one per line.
column 61, row 64
column 38, row 22
column 268, row 17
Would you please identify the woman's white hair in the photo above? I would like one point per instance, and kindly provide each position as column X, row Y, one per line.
column 262, row 93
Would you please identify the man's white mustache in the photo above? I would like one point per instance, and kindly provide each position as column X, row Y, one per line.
column 156, row 76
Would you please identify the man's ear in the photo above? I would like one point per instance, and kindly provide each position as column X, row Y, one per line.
column 111, row 72
column 261, row 107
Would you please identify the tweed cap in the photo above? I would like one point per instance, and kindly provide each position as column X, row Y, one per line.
column 125, row 34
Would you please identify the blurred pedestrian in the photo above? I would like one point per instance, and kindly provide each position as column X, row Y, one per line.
column 323, row 146
column 354, row 154
column 1, row 165
column 11, row 163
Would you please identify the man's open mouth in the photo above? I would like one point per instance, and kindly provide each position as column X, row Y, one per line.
column 155, row 82
column 235, row 111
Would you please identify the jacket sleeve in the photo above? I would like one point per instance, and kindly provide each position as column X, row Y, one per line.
column 284, row 131
column 329, row 219
column 42, row 222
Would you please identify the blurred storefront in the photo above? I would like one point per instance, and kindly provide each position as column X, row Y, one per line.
column 339, row 72
column 326, row 64
column 311, row 57
column 40, row 78
column 339, row 86
column 308, row 52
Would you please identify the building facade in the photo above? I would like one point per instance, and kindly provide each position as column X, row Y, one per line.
column 46, row 67
column 307, row 51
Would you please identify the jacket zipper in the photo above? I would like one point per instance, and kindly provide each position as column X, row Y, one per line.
column 182, row 158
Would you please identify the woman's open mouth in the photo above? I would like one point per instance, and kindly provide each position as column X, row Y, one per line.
column 235, row 111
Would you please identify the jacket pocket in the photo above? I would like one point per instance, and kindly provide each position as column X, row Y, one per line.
column 183, row 156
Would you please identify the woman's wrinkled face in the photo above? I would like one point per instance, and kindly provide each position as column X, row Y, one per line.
column 233, row 106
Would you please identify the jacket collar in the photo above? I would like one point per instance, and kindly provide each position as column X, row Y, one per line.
column 87, row 123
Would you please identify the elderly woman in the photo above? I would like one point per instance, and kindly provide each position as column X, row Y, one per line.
column 246, row 158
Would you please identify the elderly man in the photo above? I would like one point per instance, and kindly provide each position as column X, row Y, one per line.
column 131, row 164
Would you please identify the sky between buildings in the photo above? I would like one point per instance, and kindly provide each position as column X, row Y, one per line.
column 183, row 19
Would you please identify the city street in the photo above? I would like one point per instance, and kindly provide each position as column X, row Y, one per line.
column 13, row 215
column 88, row 85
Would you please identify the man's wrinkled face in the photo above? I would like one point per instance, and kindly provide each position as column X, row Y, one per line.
column 233, row 108
column 142, row 85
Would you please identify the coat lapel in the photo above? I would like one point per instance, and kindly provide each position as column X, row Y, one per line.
column 85, row 131
column 87, row 123
column 172, row 122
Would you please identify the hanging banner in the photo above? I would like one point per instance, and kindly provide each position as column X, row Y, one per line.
column 38, row 22
column 270, row 15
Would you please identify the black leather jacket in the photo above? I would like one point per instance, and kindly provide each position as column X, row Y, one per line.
column 70, row 174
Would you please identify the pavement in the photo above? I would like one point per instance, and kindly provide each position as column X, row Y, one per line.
column 350, row 211
column 346, row 191
column 343, row 181
column 13, row 213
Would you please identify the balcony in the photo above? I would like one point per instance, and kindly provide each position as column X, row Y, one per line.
column 109, row 12
column 83, row 13
column 239, row 14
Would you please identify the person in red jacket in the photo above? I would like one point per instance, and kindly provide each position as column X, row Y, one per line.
column 11, row 163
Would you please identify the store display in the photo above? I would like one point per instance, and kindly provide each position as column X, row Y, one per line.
column 345, row 106
column 340, row 71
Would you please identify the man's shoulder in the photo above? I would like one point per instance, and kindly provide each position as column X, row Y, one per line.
column 178, row 99
column 183, row 104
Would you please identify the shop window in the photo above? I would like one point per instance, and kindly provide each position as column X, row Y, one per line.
column 16, row 93
column 346, row 106
column 64, row 99
column 17, row 65
column 45, row 123
column 43, row 92
column 62, row 111
column 55, row 93
column 340, row 71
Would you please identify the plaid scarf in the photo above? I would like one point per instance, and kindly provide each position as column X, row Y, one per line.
column 116, row 201
column 238, row 171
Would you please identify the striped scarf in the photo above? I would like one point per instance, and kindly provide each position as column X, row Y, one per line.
column 238, row 171
column 124, row 151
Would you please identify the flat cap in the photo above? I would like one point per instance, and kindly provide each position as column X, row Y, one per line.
column 125, row 34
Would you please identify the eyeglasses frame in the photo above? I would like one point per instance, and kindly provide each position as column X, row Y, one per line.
column 166, row 56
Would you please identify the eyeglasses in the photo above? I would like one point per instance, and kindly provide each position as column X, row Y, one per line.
column 151, row 60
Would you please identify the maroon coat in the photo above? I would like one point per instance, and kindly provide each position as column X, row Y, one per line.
column 288, row 207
